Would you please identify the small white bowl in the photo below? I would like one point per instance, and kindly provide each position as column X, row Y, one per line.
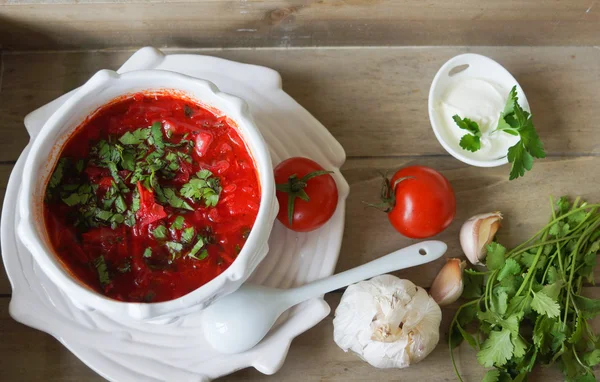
column 461, row 67
column 102, row 88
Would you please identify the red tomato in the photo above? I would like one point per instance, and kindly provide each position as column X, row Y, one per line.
column 320, row 189
column 422, row 202
column 149, row 211
column 203, row 140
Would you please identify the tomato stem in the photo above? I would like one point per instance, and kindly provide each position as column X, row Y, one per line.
column 388, row 194
column 294, row 187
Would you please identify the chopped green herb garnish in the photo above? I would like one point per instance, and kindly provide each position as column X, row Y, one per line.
column 147, row 252
column 135, row 137
column 120, row 204
column 157, row 137
column 178, row 222
column 125, row 266
column 203, row 187
column 160, row 233
column 188, row 235
column 196, row 248
column 174, row 248
column 176, row 201
column 188, row 111
column 57, row 175
column 102, row 270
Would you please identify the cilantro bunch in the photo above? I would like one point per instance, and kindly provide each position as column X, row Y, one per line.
column 514, row 121
column 527, row 307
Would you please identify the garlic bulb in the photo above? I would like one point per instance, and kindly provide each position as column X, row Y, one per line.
column 476, row 233
column 387, row 321
column 448, row 284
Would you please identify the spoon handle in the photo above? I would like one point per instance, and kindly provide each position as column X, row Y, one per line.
column 411, row 256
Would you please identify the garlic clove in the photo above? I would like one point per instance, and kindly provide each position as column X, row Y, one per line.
column 448, row 284
column 476, row 233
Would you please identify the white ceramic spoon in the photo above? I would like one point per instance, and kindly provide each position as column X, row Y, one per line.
column 239, row 321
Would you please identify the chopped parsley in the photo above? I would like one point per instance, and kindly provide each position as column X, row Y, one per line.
column 178, row 223
column 199, row 247
column 204, row 186
column 160, row 232
column 147, row 252
column 188, row 235
column 102, row 270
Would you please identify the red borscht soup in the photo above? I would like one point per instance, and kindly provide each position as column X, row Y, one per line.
column 153, row 196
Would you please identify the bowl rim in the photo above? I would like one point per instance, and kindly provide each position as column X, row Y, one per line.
column 459, row 60
column 77, row 290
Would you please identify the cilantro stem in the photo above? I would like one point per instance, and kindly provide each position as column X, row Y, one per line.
column 554, row 221
column 452, row 324
column 581, row 363
column 560, row 263
column 528, row 278
column 588, row 231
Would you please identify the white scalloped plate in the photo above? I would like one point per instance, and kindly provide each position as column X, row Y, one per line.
column 177, row 351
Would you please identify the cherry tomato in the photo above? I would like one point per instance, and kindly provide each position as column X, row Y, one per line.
column 307, row 194
column 422, row 202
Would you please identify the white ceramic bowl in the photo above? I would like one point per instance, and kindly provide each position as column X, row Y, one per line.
column 102, row 88
column 468, row 65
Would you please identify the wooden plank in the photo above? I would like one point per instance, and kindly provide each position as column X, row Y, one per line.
column 524, row 202
column 378, row 95
column 50, row 24
column 28, row 355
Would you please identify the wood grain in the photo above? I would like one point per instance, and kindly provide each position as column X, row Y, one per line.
column 374, row 102
column 74, row 24
column 313, row 356
column 370, row 99
column 524, row 203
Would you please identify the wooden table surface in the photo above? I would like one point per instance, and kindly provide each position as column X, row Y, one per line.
column 374, row 101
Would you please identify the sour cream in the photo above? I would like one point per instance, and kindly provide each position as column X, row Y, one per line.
column 481, row 101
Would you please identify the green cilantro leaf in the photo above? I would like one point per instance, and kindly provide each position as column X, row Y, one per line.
column 147, row 252
column 120, row 204
column 592, row 358
column 495, row 256
column 520, row 346
column 178, row 222
column 497, row 349
column 102, row 270
column 175, row 201
column 491, row 376
column 589, row 307
column 125, row 266
column 473, row 284
column 188, row 235
column 157, row 137
column 79, row 166
column 204, row 186
column 500, row 302
column 544, row 304
column 511, row 267
column 197, row 247
column 135, row 137
column 174, row 247
column 520, row 304
column 57, row 175
column 160, row 233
